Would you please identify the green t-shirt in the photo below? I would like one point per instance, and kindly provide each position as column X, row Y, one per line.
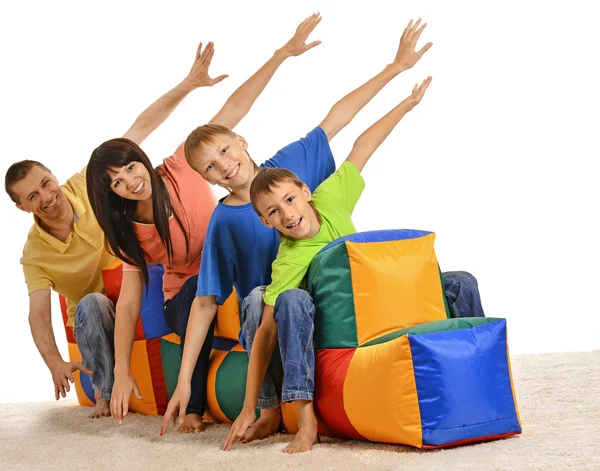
column 334, row 199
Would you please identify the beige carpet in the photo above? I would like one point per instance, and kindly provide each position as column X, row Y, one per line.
column 559, row 401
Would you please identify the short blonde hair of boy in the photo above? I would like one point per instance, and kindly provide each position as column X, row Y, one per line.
column 201, row 136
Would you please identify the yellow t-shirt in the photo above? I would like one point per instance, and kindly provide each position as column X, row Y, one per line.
column 72, row 268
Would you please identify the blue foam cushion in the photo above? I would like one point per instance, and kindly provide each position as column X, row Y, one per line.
column 463, row 384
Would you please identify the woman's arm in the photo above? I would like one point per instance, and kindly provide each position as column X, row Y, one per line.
column 126, row 318
column 153, row 116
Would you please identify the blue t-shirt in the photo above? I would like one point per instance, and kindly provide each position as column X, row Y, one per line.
column 238, row 248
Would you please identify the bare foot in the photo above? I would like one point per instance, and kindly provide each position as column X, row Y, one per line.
column 192, row 424
column 102, row 408
column 267, row 424
column 307, row 433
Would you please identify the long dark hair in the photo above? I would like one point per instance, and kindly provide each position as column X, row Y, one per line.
column 115, row 214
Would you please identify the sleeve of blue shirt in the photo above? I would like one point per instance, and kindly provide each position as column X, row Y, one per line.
column 310, row 158
column 216, row 269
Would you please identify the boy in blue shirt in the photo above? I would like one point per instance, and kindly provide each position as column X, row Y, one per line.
column 307, row 221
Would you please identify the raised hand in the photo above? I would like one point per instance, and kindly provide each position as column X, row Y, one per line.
column 407, row 56
column 417, row 93
column 246, row 418
column 179, row 399
column 198, row 76
column 123, row 388
column 62, row 374
column 296, row 45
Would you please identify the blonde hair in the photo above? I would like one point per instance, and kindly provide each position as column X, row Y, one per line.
column 201, row 136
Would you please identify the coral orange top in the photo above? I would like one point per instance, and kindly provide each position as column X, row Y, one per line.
column 194, row 202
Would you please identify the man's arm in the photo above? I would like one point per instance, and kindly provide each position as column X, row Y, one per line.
column 344, row 111
column 202, row 313
column 126, row 317
column 40, row 321
column 161, row 109
column 238, row 105
column 372, row 138
column 262, row 350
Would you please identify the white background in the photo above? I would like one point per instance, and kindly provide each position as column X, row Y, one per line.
column 498, row 159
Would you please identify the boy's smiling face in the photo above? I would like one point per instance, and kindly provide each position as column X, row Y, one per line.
column 286, row 208
column 225, row 162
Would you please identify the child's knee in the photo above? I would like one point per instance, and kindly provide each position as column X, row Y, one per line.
column 294, row 302
column 294, row 296
column 466, row 278
column 462, row 278
column 253, row 305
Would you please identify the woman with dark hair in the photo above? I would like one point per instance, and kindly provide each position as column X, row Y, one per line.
column 161, row 216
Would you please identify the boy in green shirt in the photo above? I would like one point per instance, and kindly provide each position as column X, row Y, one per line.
column 307, row 223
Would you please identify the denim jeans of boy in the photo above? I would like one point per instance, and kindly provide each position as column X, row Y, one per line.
column 294, row 315
column 94, row 331
column 295, row 361
column 177, row 315
column 462, row 294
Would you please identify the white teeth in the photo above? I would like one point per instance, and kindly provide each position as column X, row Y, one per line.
column 295, row 224
column 53, row 202
column 139, row 187
column 233, row 173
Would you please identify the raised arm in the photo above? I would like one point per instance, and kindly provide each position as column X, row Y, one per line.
column 238, row 105
column 262, row 350
column 344, row 111
column 43, row 336
column 153, row 116
column 126, row 317
column 202, row 313
column 372, row 138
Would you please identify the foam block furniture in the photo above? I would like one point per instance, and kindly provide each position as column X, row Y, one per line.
column 155, row 356
column 390, row 365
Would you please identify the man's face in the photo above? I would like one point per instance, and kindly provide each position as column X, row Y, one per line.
column 40, row 194
column 286, row 208
column 225, row 162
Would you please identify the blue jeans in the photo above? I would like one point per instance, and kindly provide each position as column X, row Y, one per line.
column 95, row 331
column 177, row 315
column 294, row 315
column 462, row 294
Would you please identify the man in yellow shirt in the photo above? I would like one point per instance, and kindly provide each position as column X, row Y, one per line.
column 65, row 251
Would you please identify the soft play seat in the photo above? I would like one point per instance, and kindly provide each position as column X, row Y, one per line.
column 155, row 356
column 390, row 366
